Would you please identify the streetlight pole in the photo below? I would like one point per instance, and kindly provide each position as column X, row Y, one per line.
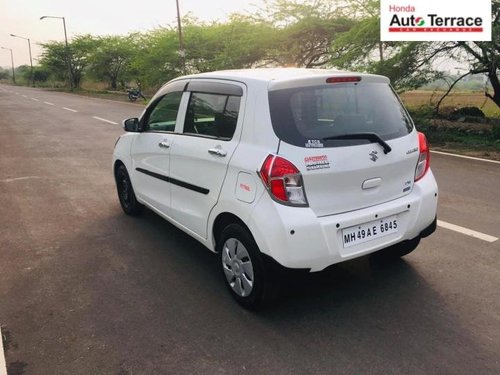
column 182, row 52
column 31, row 59
column 68, row 60
column 12, row 62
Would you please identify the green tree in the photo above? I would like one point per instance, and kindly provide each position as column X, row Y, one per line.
column 303, row 31
column 40, row 74
column 481, row 57
column 80, row 49
column 407, row 64
column 5, row 73
column 23, row 74
column 239, row 43
column 156, row 59
column 54, row 58
column 111, row 58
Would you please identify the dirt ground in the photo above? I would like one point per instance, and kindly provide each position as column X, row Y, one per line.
column 417, row 98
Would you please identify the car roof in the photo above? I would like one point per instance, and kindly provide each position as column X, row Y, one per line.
column 278, row 76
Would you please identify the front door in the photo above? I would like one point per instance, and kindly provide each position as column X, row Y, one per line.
column 150, row 151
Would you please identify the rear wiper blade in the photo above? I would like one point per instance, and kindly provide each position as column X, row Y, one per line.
column 373, row 137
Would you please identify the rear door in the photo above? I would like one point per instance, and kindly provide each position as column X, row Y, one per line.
column 201, row 152
column 342, row 175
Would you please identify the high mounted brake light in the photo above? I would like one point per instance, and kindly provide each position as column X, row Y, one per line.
column 424, row 158
column 343, row 79
column 283, row 181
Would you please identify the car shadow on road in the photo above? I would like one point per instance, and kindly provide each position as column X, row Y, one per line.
column 381, row 312
column 141, row 296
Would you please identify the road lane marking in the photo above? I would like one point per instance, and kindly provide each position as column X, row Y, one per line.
column 24, row 96
column 19, row 178
column 49, row 103
column 466, row 231
column 465, row 157
column 35, row 99
column 3, row 365
column 103, row 119
column 69, row 109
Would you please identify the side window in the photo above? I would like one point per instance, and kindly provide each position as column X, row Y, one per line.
column 212, row 115
column 164, row 114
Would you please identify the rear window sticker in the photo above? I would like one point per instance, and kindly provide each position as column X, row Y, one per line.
column 314, row 143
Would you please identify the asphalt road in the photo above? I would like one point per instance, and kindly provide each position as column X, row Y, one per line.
column 85, row 289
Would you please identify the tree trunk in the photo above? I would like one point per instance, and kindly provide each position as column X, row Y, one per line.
column 381, row 51
column 495, row 83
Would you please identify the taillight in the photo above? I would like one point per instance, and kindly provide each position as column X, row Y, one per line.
column 424, row 158
column 283, row 181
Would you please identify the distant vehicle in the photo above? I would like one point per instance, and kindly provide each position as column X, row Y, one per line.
column 134, row 94
column 280, row 168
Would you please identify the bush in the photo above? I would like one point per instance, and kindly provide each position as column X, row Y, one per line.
column 495, row 132
column 421, row 115
column 466, row 112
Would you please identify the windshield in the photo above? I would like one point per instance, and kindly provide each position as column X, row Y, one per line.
column 314, row 116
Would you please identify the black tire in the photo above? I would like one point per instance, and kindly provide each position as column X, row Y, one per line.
column 265, row 277
column 399, row 250
column 132, row 97
column 126, row 194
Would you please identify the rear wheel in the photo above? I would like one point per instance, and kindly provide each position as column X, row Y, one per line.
column 126, row 194
column 249, row 279
column 132, row 97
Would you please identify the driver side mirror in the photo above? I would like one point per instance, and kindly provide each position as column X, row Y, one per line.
column 131, row 125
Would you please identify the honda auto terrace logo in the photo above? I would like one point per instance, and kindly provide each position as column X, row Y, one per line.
column 373, row 156
column 429, row 20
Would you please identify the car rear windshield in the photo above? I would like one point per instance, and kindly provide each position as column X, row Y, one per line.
column 307, row 116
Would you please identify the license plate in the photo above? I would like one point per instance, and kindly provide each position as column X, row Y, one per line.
column 362, row 233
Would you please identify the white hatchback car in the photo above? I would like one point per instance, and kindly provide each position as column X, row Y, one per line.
column 293, row 167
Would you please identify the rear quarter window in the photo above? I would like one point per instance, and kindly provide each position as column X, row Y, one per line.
column 303, row 116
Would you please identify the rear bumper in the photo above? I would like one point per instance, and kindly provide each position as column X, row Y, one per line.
column 430, row 229
column 296, row 238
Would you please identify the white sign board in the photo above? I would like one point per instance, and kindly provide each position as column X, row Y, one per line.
column 435, row 20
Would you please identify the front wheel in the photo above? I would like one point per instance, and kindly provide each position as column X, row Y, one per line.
column 126, row 194
column 249, row 279
column 132, row 97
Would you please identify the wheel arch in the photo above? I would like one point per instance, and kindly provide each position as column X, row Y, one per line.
column 222, row 220
column 117, row 164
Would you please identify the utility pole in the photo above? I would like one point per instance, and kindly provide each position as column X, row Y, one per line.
column 31, row 59
column 182, row 51
column 68, row 58
column 12, row 62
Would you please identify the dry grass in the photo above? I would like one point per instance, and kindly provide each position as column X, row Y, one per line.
column 418, row 98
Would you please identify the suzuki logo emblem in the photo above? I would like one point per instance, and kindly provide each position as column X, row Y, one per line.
column 373, row 156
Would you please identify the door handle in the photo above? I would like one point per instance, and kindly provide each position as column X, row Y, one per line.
column 164, row 144
column 217, row 151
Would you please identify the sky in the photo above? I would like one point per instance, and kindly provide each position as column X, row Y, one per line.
column 96, row 17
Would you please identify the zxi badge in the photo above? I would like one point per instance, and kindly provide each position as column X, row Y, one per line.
column 373, row 156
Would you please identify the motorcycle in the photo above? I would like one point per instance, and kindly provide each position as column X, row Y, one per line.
column 134, row 94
